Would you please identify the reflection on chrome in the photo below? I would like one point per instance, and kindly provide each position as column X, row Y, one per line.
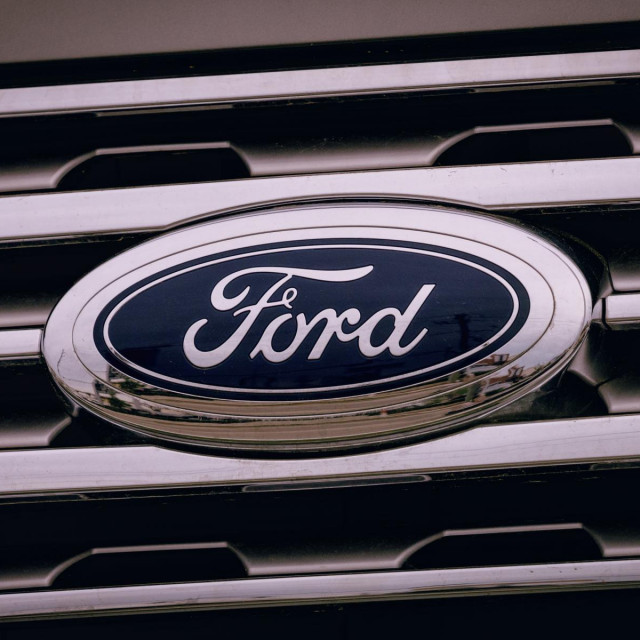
column 554, row 327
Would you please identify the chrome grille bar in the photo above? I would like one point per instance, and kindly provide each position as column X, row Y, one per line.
column 531, row 444
column 490, row 187
column 341, row 81
column 333, row 588
column 622, row 310
column 20, row 344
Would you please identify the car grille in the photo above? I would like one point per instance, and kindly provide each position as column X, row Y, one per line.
column 533, row 500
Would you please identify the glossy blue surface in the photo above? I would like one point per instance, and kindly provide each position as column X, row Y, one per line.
column 465, row 303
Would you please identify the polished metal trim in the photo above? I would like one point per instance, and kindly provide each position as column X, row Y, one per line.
column 331, row 588
column 622, row 309
column 621, row 394
column 490, row 187
column 20, row 311
column 414, row 401
column 602, row 440
column 20, row 344
column 391, row 550
column 307, row 83
column 34, row 427
column 360, row 152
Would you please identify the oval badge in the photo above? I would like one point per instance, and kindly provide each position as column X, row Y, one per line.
column 318, row 327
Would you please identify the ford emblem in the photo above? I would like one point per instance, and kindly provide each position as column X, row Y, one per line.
column 318, row 327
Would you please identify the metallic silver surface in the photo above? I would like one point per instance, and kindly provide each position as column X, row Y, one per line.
column 603, row 440
column 27, row 310
column 559, row 314
column 33, row 427
column 625, row 273
column 491, row 187
column 588, row 363
column 307, row 83
column 347, row 153
column 631, row 132
column 363, row 554
column 332, row 588
column 622, row 309
column 616, row 540
column 361, row 153
column 622, row 393
column 20, row 344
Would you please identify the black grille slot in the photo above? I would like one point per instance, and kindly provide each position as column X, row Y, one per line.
column 562, row 143
column 73, row 152
column 504, row 548
column 89, row 543
column 150, row 566
column 155, row 167
column 34, row 278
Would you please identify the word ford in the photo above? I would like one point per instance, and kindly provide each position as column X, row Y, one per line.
column 334, row 322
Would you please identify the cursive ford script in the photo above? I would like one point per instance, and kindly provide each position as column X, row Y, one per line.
column 274, row 296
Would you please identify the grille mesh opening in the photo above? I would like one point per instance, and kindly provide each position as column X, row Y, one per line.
column 570, row 143
column 505, row 549
column 151, row 567
column 156, row 167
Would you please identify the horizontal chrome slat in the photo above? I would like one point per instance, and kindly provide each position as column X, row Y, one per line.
column 20, row 344
column 306, row 83
column 622, row 309
column 530, row 444
column 490, row 187
column 332, row 588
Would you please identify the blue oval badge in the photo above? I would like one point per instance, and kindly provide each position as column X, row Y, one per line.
column 314, row 320
column 318, row 327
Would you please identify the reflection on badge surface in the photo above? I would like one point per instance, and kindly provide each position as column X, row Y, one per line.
column 318, row 327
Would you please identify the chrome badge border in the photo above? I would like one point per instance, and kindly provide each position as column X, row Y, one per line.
column 560, row 313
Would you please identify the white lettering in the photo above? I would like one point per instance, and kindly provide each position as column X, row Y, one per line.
column 334, row 322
